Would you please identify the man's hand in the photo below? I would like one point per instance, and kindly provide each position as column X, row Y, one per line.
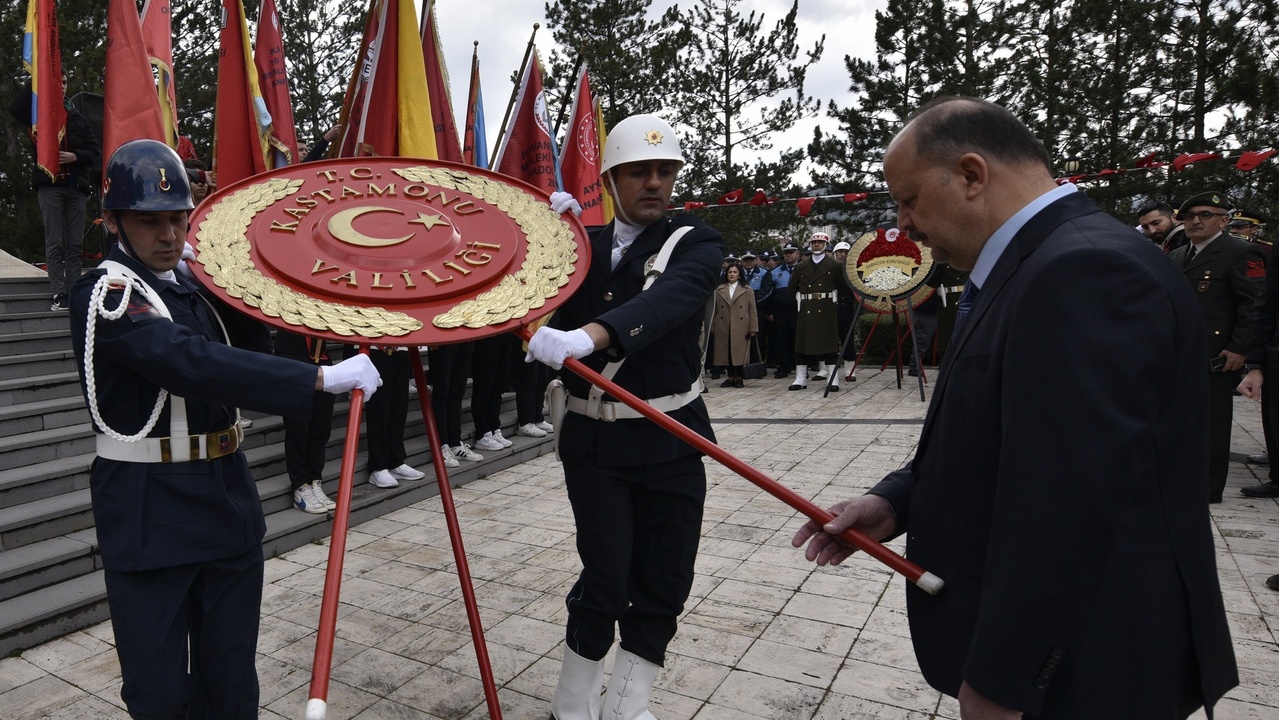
column 1251, row 385
column 870, row 514
column 551, row 347
column 66, row 158
column 975, row 707
column 354, row 373
column 563, row 202
column 1235, row 361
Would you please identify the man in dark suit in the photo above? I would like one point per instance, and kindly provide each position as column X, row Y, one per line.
column 1226, row 273
column 1058, row 487
column 636, row 490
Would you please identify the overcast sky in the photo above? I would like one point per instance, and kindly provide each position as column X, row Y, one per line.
column 503, row 26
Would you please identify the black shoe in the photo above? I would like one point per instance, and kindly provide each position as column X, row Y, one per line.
column 1273, row 582
column 835, row 388
column 781, row 374
column 795, row 387
column 60, row 303
column 1268, row 490
column 715, row 374
column 912, row 372
column 1259, row 459
column 737, row 382
column 727, row 383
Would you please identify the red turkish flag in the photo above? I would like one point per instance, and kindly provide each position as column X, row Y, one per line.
column 1182, row 161
column 855, row 197
column 731, row 198
column 527, row 151
column 1250, row 159
column 273, row 81
column 804, row 205
column 760, row 198
column 694, row 205
column 132, row 108
column 1148, row 162
column 580, row 156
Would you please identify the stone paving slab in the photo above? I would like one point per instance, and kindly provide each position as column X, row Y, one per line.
column 764, row 636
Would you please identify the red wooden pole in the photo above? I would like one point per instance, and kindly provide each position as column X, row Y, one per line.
column 923, row 579
column 455, row 540
column 320, row 665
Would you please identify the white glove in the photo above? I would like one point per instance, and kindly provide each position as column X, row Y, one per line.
column 354, row 373
column 551, row 347
column 188, row 253
column 563, row 202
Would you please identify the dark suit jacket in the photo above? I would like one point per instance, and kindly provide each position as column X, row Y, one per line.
column 656, row 330
column 1058, row 487
column 1227, row 278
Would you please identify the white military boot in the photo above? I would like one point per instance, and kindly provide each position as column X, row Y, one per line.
column 577, row 694
column 628, row 695
column 833, row 372
column 802, row 378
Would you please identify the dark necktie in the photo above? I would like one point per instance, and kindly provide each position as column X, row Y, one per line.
column 1191, row 253
column 964, row 305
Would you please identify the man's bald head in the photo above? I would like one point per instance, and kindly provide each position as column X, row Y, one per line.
column 946, row 128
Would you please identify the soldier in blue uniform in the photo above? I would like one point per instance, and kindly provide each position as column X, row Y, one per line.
column 636, row 490
column 178, row 518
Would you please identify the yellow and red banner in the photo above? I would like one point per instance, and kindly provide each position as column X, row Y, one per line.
column 157, row 35
column 132, row 108
column 242, row 129
column 273, row 81
column 42, row 58
column 387, row 97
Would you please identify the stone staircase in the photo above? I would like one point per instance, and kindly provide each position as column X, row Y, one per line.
column 50, row 571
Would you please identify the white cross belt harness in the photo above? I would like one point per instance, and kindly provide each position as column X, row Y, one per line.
column 180, row 446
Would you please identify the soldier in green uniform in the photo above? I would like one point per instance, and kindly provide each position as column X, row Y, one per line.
column 814, row 281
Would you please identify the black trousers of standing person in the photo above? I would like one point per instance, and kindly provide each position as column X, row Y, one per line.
column 531, row 379
column 387, row 411
column 172, row 668
column 447, row 370
column 782, row 344
column 306, row 438
column 638, row 530
column 490, row 375
column 1270, row 377
column 1221, row 386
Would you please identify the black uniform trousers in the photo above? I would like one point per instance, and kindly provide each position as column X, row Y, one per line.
column 305, row 441
column 783, row 341
column 1221, row 387
column 447, row 369
column 490, row 376
column 153, row 612
column 386, row 412
column 638, row 530
column 531, row 381
column 1271, row 377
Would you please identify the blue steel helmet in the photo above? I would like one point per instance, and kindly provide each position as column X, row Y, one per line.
column 148, row 176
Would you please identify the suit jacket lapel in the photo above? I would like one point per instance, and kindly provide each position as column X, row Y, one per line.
column 1203, row 257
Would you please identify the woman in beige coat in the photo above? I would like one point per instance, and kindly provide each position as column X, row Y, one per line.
column 734, row 324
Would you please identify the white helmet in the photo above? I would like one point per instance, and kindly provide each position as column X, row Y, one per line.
column 821, row 237
column 842, row 245
column 640, row 138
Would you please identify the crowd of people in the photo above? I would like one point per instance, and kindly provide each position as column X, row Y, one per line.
column 1082, row 587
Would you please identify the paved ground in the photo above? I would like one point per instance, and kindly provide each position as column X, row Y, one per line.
column 765, row 635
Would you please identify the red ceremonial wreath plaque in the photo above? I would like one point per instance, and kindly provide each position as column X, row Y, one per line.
column 388, row 250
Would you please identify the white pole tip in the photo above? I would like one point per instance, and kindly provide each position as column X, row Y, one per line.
column 315, row 709
column 928, row 582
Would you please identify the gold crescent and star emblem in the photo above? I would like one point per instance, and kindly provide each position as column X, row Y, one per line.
column 342, row 226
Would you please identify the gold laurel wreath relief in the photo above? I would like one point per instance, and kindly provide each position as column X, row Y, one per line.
column 548, row 260
column 224, row 251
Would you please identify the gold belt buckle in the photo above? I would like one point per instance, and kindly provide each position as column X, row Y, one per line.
column 221, row 443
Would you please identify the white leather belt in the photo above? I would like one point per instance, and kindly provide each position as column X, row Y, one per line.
column 817, row 296
column 609, row 410
column 163, row 450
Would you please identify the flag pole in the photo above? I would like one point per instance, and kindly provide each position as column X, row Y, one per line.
column 570, row 96
column 528, row 50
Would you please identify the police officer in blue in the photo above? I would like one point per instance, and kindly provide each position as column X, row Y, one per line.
column 178, row 517
column 636, row 490
column 783, row 313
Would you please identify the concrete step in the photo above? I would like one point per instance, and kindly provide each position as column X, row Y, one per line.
column 35, row 617
column 23, row 343
column 41, row 564
column 25, row 302
column 39, row 387
column 20, row 286
column 42, row 415
column 29, row 322
column 14, row 367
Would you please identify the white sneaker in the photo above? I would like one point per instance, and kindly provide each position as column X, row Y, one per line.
column 464, row 452
column 447, row 457
column 404, row 472
column 545, row 426
column 382, row 479
column 318, row 492
column 305, row 500
column 489, row 442
column 497, row 435
column 531, row 430
column 246, row 423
